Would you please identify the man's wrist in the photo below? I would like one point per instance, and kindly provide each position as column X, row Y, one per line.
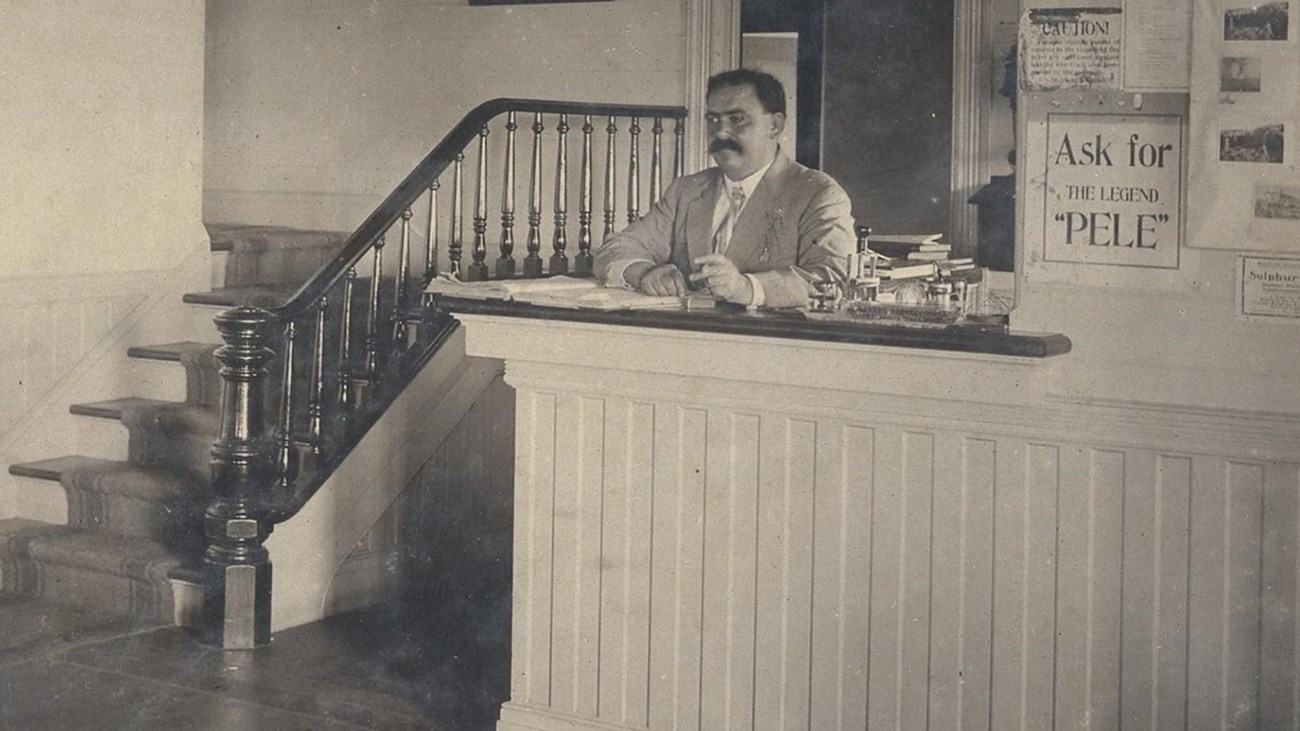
column 635, row 271
column 756, row 294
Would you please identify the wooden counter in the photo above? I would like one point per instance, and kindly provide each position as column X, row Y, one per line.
column 717, row 528
column 789, row 324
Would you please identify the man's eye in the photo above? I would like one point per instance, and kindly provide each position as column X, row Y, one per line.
column 738, row 119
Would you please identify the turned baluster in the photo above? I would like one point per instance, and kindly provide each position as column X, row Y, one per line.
column 559, row 260
column 679, row 149
column 656, row 161
column 431, row 240
column 236, row 611
column 347, row 398
column 611, row 184
column 373, row 346
column 457, row 219
column 399, row 299
column 582, row 263
column 478, row 270
column 533, row 261
column 506, row 262
column 316, row 384
column 286, row 462
column 634, row 171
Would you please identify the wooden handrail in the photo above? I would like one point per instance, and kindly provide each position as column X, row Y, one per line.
column 418, row 181
column 261, row 478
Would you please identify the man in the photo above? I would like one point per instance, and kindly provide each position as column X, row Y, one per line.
column 758, row 230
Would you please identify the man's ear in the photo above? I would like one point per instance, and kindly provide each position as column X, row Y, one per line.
column 778, row 124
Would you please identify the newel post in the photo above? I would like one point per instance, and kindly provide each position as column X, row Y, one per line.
column 236, row 565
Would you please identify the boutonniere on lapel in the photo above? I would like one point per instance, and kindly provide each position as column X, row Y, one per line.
column 774, row 219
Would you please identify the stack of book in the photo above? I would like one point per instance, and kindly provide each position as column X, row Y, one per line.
column 910, row 256
column 912, row 247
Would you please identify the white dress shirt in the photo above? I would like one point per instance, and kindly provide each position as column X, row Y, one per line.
column 720, row 208
column 723, row 205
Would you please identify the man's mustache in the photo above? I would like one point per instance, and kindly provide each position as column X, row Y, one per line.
column 721, row 144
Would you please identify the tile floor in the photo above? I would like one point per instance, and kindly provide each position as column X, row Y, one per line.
column 396, row 666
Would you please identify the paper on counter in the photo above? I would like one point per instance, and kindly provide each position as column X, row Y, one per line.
column 561, row 291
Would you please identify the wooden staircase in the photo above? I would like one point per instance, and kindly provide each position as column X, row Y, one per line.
column 324, row 332
column 135, row 524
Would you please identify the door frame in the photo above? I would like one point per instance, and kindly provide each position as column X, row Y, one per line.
column 713, row 45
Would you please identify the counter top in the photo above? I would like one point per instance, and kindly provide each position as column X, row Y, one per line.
column 788, row 324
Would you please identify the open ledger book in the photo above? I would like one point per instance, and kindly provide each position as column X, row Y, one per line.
column 561, row 291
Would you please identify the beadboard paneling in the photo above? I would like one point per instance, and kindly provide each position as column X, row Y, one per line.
column 41, row 339
column 714, row 566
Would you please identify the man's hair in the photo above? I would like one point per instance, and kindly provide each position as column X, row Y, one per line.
column 769, row 91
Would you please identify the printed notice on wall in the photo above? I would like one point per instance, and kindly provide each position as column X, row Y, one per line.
column 1157, row 41
column 1071, row 48
column 1269, row 288
column 1113, row 189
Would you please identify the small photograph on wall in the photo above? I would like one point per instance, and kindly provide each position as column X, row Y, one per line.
column 1277, row 202
column 1237, row 73
column 1261, row 144
column 1252, row 20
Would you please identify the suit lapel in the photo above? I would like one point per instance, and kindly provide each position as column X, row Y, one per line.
column 748, row 238
column 699, row 219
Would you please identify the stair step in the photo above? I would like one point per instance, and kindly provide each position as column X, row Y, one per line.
column 202, row 384
column 114, row 408
column 171, row 416
column 158, row 502
column 53, row 469
column 100, row 551
column 162, row 432
column 238, row 296
column 187, row 574
column 72, row 565
column 172, row 352
column 13, row 526
column 226, row 237
column 156, row 483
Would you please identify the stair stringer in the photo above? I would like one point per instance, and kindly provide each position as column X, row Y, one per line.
column 104, row 371
column 308, row 550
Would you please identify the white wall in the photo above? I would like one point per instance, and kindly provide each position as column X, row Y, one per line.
column 317, row 108
column 1146, row 338
column 100, row 170
column 101, row 117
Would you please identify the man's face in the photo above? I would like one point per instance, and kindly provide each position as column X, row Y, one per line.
column 742, row 136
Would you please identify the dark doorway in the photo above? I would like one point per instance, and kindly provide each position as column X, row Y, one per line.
column 804, row 17
column 874, row 101
column 887, row 117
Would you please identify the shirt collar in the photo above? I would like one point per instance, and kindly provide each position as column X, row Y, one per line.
column 751, row 182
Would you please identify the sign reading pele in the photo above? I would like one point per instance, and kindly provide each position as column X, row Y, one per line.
column 1114, row 189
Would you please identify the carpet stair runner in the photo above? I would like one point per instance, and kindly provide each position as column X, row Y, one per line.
column 134, row 522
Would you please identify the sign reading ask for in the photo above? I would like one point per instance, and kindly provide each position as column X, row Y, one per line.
column 1114, row 189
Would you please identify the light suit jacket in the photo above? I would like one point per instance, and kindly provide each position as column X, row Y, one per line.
column 795, row 230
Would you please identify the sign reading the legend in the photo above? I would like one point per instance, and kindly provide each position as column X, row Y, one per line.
column 1113, row 190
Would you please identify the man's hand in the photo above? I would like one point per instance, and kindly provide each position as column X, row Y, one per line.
column 665, row 280
column 723, row 279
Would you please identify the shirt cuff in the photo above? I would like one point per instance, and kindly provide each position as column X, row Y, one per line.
column 614, row 274
column 759, row 299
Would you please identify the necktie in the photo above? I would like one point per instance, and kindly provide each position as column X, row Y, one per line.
column 723, row 237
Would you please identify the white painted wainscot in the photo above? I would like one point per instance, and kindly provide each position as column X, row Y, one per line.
column 730, row 532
